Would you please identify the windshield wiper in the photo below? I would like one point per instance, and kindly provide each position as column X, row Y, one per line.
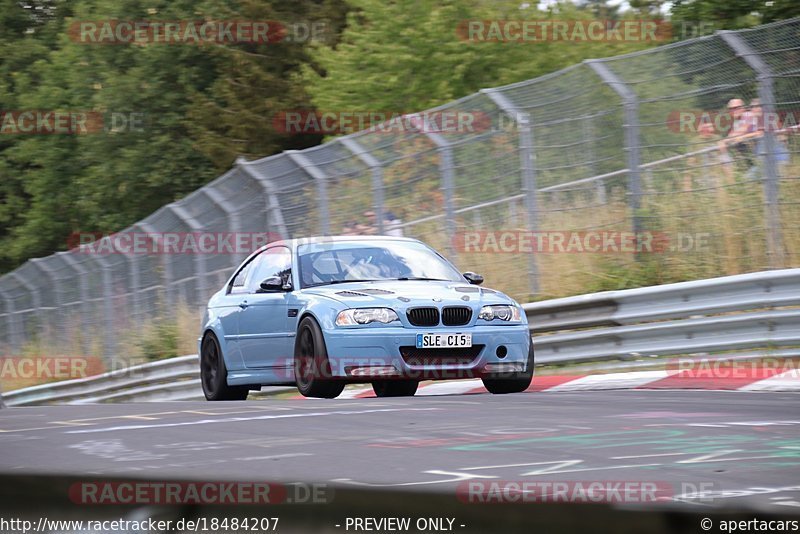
column 423, row 278
column 340, row 282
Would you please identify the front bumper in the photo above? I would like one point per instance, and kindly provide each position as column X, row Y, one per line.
column 364, row 354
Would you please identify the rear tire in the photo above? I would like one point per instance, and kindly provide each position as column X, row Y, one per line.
column 395, row 388
column 513, row 382
column 312, row 370
column 214, row 374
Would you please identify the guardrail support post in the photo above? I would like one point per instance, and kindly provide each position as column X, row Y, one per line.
column 527, row 159
column 772, row 214
column 631, row 124
column 321, row 180
column 377, row 177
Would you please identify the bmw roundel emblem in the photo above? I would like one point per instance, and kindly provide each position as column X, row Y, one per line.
column 436, row 299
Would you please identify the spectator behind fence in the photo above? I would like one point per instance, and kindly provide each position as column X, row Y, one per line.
column 705, row 136
column 391, row 224
column 740, row 125
column 371, row 226
column 757, row 124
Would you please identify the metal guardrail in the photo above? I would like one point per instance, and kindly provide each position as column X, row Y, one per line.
column 732, row 313
column 719, row 314
column 175, row 379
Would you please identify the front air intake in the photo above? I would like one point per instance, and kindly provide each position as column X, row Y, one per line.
column 456, row 315
column 427, row 316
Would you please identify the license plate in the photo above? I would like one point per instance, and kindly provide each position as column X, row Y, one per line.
column 443, row 341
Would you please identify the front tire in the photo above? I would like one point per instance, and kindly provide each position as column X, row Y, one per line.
column 312, row 368
column 395, row 388
column 513, row 382
column 214, row 374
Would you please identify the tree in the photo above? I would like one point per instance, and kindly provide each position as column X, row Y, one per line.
column 254, row 83
column 733, row 14
column 407, row 55
column 200, row 105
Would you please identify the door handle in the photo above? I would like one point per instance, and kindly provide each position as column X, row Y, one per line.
column 243, row 304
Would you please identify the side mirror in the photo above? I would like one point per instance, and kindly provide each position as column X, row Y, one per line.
column 473, row 278
column 273, row 283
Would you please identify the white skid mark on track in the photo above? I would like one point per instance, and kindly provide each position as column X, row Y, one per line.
column 115, row 450
column 454, row 476
column 274, row 456
column 246, row 419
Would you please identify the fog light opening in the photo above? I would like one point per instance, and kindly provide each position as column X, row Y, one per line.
column 501, row 351
column 373, row 371
column 494, row 368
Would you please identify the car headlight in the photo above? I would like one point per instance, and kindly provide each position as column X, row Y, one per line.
column 501, row 313
column 356, row 316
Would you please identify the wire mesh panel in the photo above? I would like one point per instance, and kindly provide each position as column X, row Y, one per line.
column 707, row 207
column 249, row 202
column 777, row 45
column 578, row 149
column 411, row 176
column 295, row 192
column 217, row 241
column 538, row 185
column 349, row 185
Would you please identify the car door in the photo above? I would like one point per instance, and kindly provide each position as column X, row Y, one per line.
column 264, row 339
column 228, row 314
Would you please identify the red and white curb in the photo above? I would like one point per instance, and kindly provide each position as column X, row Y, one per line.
column 751, row 380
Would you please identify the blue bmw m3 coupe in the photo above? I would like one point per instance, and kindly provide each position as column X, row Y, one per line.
column 320, row 313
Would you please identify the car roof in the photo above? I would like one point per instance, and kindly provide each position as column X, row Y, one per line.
column 293, row 243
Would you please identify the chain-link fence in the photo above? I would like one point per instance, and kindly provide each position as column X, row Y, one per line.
column 575, row 158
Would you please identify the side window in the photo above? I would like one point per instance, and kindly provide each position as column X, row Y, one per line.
column 240, row 278
column 276, row 261
column 237, row 285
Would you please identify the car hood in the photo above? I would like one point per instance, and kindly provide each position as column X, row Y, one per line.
column 408, row 293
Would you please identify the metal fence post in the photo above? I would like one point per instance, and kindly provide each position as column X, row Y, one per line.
column 199, row 258
column 589, row 138
column 631, row 125
column 527, row 160
column 273, row 206
column 48, row 272
column 376, row 170
column 10, row 322
column 448, row 185
column 528, row 163
column 166, row 276
column 448, row 179
column 36, row 301
column 321, row 180
column 772, row 213
column 109, row 349
column 234, row 220
column 84, row 289
column 136, row 282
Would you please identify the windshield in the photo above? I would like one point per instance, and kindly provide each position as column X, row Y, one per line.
column 331, row 263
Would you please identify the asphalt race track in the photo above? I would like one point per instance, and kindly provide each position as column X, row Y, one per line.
column 734, row 448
